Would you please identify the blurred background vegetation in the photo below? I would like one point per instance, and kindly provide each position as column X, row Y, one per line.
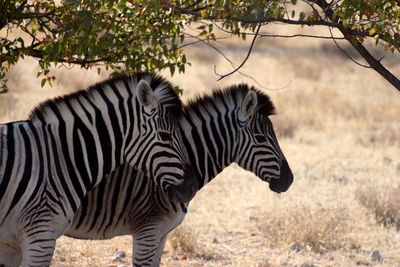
column 137, row 35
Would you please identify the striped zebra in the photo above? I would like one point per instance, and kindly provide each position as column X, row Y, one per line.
column 230, row 125
column 70, row 144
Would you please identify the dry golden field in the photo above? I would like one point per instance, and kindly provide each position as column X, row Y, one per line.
column 339, row 127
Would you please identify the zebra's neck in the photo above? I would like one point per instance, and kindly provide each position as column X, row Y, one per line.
column 210, row 141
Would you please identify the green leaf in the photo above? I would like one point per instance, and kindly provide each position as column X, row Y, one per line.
column 43, row 82
column 172, row 69
column 34, row 26
column 302, row 16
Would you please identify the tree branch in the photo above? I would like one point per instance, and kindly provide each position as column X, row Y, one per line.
column 244, row 61
column 263, row 20
column 282, row 35
column 40, row 55
column 372, row 61
column 347, row 54
column 348, row 33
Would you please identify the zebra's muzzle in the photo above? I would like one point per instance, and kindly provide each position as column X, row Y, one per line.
column 285, row 180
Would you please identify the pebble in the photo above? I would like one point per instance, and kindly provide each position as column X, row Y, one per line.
column 119, row 255
column 307, row 264
column 295, row 246
column 375, row 255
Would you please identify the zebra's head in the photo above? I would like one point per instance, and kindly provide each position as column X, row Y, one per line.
column 168, row 162
column 258, row 148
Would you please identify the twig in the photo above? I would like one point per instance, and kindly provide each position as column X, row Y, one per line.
column 347, row 54
column 244, row 61
column 204, row 41
column 281, row 35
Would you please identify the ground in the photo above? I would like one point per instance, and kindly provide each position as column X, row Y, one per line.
column 338, row 125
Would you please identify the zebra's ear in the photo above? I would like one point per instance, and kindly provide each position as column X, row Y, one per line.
column 145, row 94
column 249, row 104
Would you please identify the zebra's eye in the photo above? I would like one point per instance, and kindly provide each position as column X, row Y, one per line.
column 260, row 138
column 164, row 136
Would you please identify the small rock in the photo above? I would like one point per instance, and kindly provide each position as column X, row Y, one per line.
column 387, row 160
column 375, row 256
column 307, row 264
column 295, row 246
column 253, row 219
column 119, row 256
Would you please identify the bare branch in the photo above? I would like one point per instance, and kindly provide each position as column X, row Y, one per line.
column 263, row 20
column 347, row 54
column 205, row 42
column 244, row 61
column 281, row 35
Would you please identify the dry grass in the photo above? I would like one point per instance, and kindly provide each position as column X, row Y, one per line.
column 338, row 126
column 383, row 203
column 318, row 229
column 183, row 240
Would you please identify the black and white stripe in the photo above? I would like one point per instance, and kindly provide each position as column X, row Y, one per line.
column 231, row 125
column 70, row 144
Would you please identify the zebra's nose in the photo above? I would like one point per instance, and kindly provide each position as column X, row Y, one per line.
column 285, row 180
column 185, row 191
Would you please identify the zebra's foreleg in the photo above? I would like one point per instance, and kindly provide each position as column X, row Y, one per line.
column 145, row 244
column 160, row 249
column 38, row 250
column 149, row 239
column 9, row 256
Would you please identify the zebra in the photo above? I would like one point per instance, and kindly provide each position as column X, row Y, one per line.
column 229, row 125
column 69, row 144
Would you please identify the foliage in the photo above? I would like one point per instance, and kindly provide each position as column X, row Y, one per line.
column 362, row 19
column 132, row 35
column 124, row 36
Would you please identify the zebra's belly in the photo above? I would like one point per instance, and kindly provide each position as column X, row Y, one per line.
column 95, row 235
column 99, row 231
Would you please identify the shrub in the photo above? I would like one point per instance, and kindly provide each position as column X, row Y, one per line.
column 383, row 203
column 318, row 228
column 184, row 240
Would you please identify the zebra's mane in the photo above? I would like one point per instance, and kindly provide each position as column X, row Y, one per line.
column 231, row 96
column 168, row 96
